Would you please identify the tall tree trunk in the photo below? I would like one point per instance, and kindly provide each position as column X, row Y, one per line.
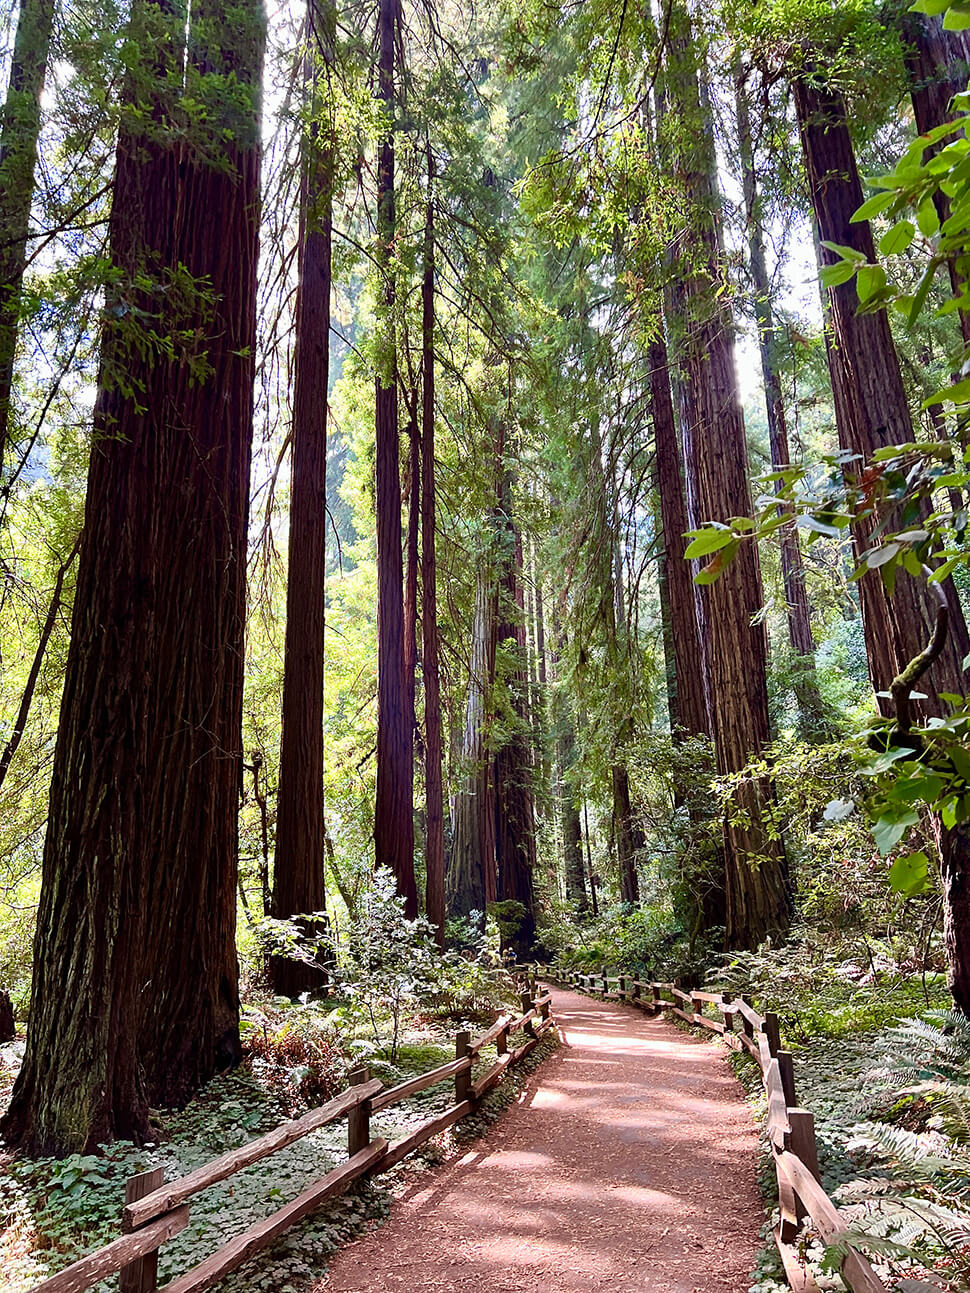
column 134, row 995
column 298, row 875
column 434, row 855
column 715, row 451
column 871, row 409
column 19, row 133
column 394, row 809
column 515, row 832
column 937, row 68
column 688, row 709
column 470, row 877
column 792, row 568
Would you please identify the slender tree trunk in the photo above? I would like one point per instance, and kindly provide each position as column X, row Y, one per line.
column 715, row 451
column 574, row 867
column 134, row 995
column 411, row 571
column 792, row 568
column 394, row 810
column 19, row 133
column 435, row 830
column 298, row 875
column 515, row 832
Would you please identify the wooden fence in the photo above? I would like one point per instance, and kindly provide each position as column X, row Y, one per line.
column 790, row 1128
column 156, row 1209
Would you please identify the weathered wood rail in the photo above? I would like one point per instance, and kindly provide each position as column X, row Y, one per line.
column 155, row 1210
column 790, row 1128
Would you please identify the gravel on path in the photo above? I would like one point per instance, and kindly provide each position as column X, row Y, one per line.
column 628, row 1163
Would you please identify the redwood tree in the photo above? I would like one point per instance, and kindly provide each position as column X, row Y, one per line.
column 394, row 808
column 134, row 998
column 298, row 874
column 757, row 897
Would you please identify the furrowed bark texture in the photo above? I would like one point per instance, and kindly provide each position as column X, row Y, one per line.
column 871, row 408
column 394, row 809
column 19, row 133
column 434, row 856
column 134, row 996
column 298, row 874
column 757, row 891
column 688, row 710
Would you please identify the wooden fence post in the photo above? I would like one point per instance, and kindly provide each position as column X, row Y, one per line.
column 141, row 1275
column 746, row 1024
column 502, row 1042
column 727, row 998
column 621, row 987
column 786, row 1069
column 696, row 1006
column 463, row 1080
column 773, row 1033
column 358, row 1118
column 636, row 993
column 801, row 1141
column 655, row 1003
column 526, row 1003
column 544, row 1010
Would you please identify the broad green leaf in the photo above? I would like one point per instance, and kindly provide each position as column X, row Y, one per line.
column 931, row 7
column 708, row 541
column 898, row 238
column 873, row 206
column 927, row 218
column 956, row 19
column 888, row 831
column 908, row 875
column 869, row 280
column 835, row 275
column 844, row 252
column 817, row 527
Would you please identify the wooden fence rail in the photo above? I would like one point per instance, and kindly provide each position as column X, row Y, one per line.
column 790, row 1129
column 155, row 1210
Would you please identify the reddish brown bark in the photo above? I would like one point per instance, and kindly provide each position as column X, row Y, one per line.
column 134, row 995
column 688, row 710
column 298, row 874
column 871, row 408
column 715, row 453
column 394, row 808
column 434, row 854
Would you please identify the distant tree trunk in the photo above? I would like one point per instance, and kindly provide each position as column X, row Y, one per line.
column 134, row 997
column 937, row 67
column 470, row 878
column 435, row 831
column 574, row 866
column 412, row 544
column 793, row 571
column 394, row 809
column 688, row 708
column 19, row 133
column 298, row 875
column 715, row 451
column 871, row 409
column 515, row 831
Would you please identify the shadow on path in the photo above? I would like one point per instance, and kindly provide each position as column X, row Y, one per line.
column 629, row 1163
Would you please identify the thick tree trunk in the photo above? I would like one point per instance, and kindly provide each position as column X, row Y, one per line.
column 19, row 133
column 792, row 568
column 134, row 996
column 394, row 809
column 298, row 875
column 757, row 891
column 871, row 408
column 688, row 708
column 434, row 854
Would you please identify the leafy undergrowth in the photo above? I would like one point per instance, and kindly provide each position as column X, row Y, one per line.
column 53, row 1211
column 849, row 1081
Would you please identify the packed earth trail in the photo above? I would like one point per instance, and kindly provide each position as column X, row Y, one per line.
column 629, row 1163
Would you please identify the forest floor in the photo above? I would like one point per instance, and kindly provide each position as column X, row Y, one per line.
column 629, row 1162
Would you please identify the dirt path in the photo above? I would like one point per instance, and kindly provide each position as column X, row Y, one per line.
column 628, row 1164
